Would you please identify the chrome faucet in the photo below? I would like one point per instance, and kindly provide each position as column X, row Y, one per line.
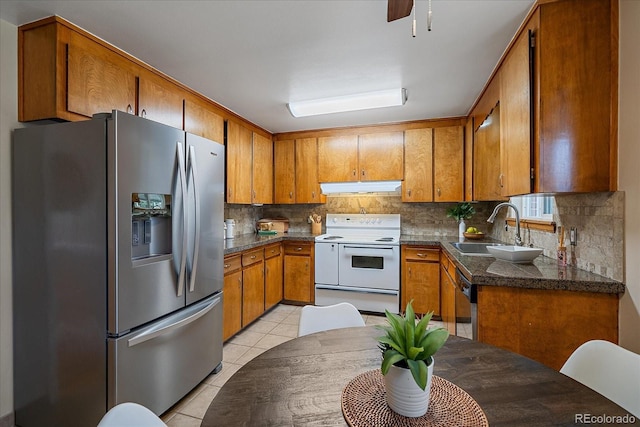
column 515, row 209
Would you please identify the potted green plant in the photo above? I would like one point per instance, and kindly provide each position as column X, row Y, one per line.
column 407, row 360
column 460, row 212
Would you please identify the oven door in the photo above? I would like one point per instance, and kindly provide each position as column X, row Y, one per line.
column 369, row 266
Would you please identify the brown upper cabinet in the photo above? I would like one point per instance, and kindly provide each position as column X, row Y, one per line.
column 558, row 101
column 434, row 165
column 486, row 167
column 202, row 121
column 159, row 100
column 249, row 166
column 296, row 171
column 365, row 157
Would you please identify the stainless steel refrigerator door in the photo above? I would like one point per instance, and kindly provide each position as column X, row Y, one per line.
column 144, row 157
column 205, row 212
column 159, row 364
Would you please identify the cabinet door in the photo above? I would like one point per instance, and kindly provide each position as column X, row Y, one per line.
column 97, row 79
column 338, row 159
column 160, row 100
column 448, row 300
column 307, row 186
column 486, row 173
column 381, row 156
column 239, row 153
column 273, row 281
column 252, row 292
column 298, row 278
column 448, row 164
column 232, row 307
column 421, row 279
column 515, row 119
column 284, row 165
column 262, row 165
column 202, row 121
column 418, row 166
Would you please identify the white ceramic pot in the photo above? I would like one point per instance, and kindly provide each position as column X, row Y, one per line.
column 403, row 394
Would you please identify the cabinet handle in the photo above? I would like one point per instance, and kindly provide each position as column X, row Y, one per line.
column 439, row 192
column 420, row 254
column 229, row 192
column 354, row 172
column 500, row 181
column 143, row 113
column 409, row 272
column 313, row 194
column 409, row 192
column 129, row 109
column 291, row 194
column 254, row 195
column 227, row 265
column 362, row 172
column 253, row 257
column 298, row 249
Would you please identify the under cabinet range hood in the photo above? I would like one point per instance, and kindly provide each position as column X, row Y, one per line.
column 360, row 187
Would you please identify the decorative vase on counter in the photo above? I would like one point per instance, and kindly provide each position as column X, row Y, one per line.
column 403, row 394
column 462, row 227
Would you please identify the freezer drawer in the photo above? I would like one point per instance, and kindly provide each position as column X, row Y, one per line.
column 159, row 364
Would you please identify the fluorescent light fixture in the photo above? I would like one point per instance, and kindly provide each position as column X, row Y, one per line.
column 360, row 187
column 339, row 104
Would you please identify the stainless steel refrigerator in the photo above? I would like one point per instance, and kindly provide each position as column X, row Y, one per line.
column 118, row 267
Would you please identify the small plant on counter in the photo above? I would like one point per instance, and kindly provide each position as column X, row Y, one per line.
column 410, row 345
column 461, row 211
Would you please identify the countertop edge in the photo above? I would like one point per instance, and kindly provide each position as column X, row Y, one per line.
column 475, row 269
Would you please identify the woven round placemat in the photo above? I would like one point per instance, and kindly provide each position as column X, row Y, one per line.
column 364, row 404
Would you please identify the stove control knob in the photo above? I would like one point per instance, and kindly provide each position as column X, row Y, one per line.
column 378, row 220
column 361, row 220
column 335, row 220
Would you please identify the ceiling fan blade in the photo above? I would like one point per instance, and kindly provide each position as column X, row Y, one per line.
column 397, row 9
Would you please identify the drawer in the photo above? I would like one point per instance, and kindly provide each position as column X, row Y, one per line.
column 422, row 254
column 272, row 250
column 299, row 248
column 232, row 263
column 253, row 256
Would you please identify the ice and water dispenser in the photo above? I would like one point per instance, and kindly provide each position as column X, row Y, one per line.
column 150, row 225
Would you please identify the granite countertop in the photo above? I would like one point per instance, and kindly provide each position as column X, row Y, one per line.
column 244, row 242
column 543, row 273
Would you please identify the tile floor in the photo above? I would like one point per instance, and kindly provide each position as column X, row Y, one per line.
column 275, row 327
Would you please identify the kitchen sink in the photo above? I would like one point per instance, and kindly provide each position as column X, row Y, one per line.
column 474, row 248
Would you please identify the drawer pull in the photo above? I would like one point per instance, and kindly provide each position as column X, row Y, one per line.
column 227, row 265
column 298, row 249
column 253, row 257
column 420, row 254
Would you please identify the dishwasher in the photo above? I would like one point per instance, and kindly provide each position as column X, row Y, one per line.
column 470, row 291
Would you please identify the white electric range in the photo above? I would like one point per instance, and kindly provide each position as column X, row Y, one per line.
column 358, row 261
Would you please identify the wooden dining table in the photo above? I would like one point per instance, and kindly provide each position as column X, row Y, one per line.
column 300, row 383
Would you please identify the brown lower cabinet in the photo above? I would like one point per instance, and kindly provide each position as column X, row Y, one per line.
column 448, row 293
column 252, row 285
column 299, row 271
column 421, row 278
column 545, row 325
column 273, row 279
column 232, row 291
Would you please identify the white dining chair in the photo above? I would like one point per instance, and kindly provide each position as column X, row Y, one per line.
column 315, row 318
column 130, row 415
column 609, row 369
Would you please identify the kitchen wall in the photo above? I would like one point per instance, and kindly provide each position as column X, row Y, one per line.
column 629, row 157
column 8, row 121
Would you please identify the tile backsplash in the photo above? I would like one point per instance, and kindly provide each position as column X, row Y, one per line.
column 599, row 218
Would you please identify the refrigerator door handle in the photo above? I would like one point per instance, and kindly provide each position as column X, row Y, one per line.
column 183, row 187
column 196, row 208
column 162, row 329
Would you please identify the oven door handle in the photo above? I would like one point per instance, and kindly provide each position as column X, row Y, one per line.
column 368, row 250
column 359, row 290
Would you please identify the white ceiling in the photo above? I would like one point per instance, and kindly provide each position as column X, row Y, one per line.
column 255, row 56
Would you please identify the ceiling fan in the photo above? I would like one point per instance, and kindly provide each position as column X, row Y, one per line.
column 397, row 9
